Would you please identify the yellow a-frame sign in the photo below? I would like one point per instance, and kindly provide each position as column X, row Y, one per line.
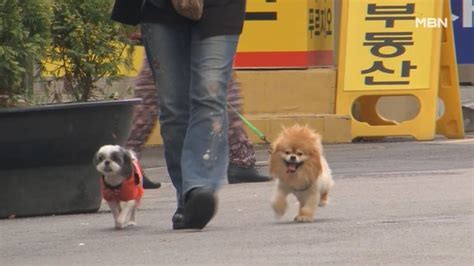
column 399, row 48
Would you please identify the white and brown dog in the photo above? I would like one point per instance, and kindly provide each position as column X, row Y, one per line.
column 298, row 163
column 122, row 182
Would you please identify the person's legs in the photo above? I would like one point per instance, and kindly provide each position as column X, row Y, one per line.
column 168, row 52
column 192, row 74
column 205, row 152
column 240, row 148
column 242, row 166
column 145, row 115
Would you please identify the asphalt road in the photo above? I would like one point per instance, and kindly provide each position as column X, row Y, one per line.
column 399, row 203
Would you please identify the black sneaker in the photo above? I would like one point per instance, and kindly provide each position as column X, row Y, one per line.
column 237, row 174
column 178, row 219
column 200, row 207
column 148, row 184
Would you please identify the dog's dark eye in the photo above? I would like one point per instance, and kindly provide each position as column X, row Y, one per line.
column 299, row 153
column 115, row 157
column 100, row 158
column 287, row 152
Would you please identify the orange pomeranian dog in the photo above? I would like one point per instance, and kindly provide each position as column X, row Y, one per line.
column 297, row 162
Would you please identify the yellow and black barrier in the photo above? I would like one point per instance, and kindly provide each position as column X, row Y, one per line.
column 287, row 34
column 296, row 34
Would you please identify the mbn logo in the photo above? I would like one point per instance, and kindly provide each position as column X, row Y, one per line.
column 431, row 22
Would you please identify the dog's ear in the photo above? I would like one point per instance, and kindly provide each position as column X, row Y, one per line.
column 283, row 130
column 316, row 163
column 127, row 167
column 95, row 160
column 274, row 147
column 129, row 156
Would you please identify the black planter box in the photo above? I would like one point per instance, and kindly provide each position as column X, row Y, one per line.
column 46, row 155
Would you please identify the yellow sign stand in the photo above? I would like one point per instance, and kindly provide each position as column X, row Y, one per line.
column 387, row 49
column 451, row 123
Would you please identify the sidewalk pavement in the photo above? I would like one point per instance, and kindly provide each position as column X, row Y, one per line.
column 395, row 202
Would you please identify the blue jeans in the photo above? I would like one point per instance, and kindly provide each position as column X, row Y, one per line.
column 192, row 74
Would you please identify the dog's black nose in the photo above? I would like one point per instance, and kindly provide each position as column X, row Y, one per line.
column 107, row 162
column 292, row 158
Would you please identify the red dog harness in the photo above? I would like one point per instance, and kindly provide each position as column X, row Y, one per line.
column 130, row 189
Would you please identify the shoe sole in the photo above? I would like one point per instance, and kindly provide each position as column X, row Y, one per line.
column 179, row 226
column 199, row 209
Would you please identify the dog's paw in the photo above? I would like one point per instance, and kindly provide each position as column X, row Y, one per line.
column 279, row 212
column 279, row 209
column 323, row 203
column 119, row 225
column 303, row 219
column 278, row 215
column 324, row 200
column 132, row 223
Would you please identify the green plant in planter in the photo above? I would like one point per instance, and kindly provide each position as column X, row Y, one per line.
column 87, row 47
column 24, row 33
column 40, row 173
